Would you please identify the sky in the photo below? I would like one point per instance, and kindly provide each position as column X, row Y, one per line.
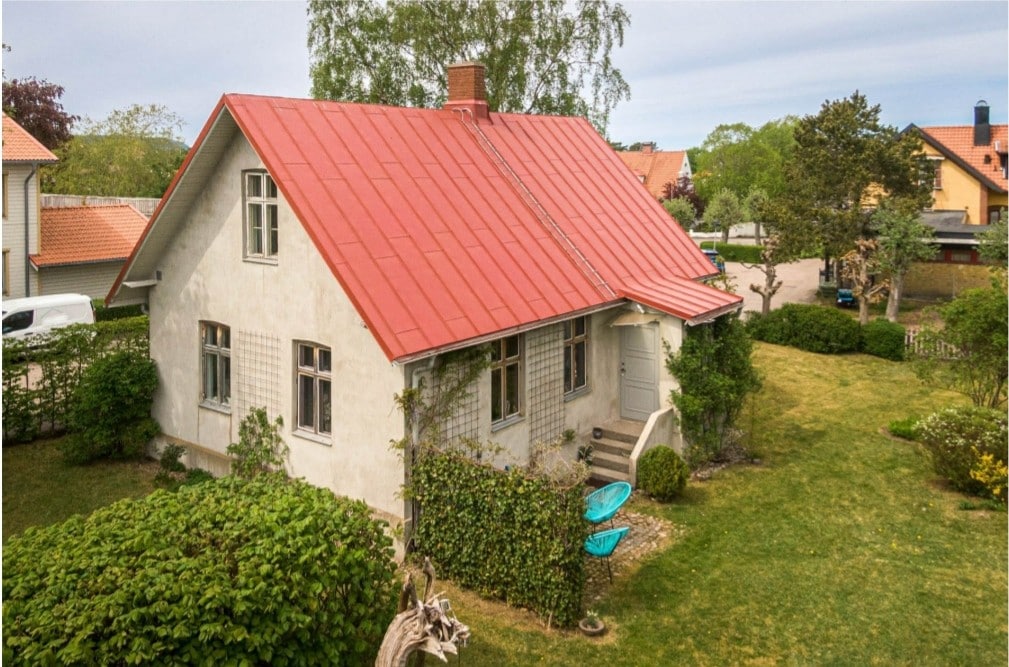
column 691, row 65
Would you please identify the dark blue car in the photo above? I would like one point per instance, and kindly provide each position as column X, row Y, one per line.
column 715, row 258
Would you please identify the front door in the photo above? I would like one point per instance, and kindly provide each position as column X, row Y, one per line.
column 639, row 381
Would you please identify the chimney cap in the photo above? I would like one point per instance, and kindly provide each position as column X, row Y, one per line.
column 980, row 103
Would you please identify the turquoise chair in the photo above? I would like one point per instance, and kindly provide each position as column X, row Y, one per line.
column 602, row 504
column 602, row 544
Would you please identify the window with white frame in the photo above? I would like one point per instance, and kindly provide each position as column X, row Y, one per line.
column 576, row 347
column 216, row 364
column 261, row 227
column 937, row 173
column 315, row 388
column 506, row 379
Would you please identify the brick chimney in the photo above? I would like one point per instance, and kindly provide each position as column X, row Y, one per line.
column 467, row 89
column 982, row 128
column 647, row 147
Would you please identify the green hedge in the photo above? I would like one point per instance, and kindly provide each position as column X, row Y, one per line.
column 38, row 382
column 808, row 327
column 103, row 314
column 267, row 571
column 885, row 339
column 506, row 535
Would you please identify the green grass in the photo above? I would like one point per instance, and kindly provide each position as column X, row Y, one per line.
column 841, row 548
column 39, row 489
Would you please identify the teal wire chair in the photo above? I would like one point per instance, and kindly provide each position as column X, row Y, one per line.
column 602, row 544
column 603, row 504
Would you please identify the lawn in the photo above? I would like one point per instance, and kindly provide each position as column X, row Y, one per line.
column 39, row 489
column 840, row 548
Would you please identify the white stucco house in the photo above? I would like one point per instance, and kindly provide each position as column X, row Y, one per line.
column 22, row 157
column 317, row 258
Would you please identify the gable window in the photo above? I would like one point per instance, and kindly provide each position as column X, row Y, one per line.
column 576, row 344
column 261, row 228
column 216, row 344
column 506, row 379
column 937, row 174
column 315, row 388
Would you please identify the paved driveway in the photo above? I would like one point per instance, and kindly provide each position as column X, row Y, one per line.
column 799, row 281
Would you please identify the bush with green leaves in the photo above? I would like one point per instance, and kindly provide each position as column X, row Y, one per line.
column 662, row 474
column 807, row 327
column 110, row 414
column 507, row 535
column 883, row 338
column 736, row 252
column 968, row 447
column 263, row 571
column 906, row 428
column 260, row 448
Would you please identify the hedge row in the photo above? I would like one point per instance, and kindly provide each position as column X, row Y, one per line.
column 38, row 382
column 504, row 534
column 827, row 331
column 259, row 572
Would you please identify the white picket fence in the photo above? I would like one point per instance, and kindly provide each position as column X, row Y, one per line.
column 915, row 346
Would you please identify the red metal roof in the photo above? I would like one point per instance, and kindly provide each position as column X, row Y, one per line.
column 19, row 146
column 442, row 231
column 85, row 234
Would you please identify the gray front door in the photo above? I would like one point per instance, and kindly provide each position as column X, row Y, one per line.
column 639, row 381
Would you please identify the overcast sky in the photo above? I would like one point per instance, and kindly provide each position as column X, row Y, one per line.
column 690, row 65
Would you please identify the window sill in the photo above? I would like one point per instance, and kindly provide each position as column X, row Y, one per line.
column 505, row 423
column 216, row 407
column 577, row 393
column 257, row 259
column 313, row 437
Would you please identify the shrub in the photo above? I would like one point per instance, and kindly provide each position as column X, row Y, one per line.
column 732, row 252
column 968, row 447
column 884, row 339
column 662, row 474
column 231, row 572
column 259, row 448
column 104, row 314
column 110, row 412
column 507, row 535
column 808, row 327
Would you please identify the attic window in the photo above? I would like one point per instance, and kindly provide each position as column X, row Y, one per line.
column 261, row 227
column 937, row 178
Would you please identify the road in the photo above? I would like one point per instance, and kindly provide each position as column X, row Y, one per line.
column 799, row 280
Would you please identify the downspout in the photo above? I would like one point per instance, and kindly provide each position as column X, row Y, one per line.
column 28, row 287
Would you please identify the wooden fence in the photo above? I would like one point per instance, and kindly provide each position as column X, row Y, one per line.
column 916, row 346
column 145, row 205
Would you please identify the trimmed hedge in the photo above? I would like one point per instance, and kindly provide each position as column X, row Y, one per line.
column 732, row 252
column 662, row 474
column 504, row 534
column 885, row 339
column 267, row 571
column 808, row 327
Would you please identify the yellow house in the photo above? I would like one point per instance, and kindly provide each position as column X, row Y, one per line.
column 970, row 167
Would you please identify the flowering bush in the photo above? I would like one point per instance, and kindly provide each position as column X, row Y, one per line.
column 968, row 447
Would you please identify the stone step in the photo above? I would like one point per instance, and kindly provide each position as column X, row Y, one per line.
column 609, row 446
column 601, row 476
column 611, row 433
column 609, row 461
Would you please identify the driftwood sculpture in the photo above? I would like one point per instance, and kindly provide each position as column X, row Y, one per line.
column 427, row 625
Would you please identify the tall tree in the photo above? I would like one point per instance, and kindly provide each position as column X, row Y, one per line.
column 35, row 105
column 753, row 205
column 862, row 267
column 903, row 241
column 682, row 211
column 683, row 188
column 134, row 152
column 846, row 161
column 723, row 213
column 739, row 158
column 542, row 56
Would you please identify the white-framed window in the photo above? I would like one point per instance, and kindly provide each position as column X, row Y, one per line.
column 937, row 174
column 314, row 388
column 261, row 226
column 576, row 354
column 506, row 379
column 215, row 364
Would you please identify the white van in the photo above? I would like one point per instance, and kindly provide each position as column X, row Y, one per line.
column 41, row 314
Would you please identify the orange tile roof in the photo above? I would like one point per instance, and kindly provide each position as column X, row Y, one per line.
column 19, row 146
column 658, row 167
column 86, row 234
column 957, row 143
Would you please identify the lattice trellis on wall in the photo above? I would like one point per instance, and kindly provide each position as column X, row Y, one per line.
column 465, row 419
column 545, row 383
column 258, row 373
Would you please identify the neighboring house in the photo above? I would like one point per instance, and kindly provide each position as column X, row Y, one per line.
column 319, row 258
column 969, row 193
column 83, row 248
column 22, row 157
column 658, row 170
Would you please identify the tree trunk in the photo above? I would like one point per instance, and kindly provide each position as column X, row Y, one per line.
column 863, row 310
column 725, row 233
column 756, row 233
column 896, row 293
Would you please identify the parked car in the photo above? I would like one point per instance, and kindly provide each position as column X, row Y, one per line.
column 715, row 258
column 38, row 315
column 845, row 298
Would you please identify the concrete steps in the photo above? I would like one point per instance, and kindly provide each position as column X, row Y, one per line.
column 611, row 451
